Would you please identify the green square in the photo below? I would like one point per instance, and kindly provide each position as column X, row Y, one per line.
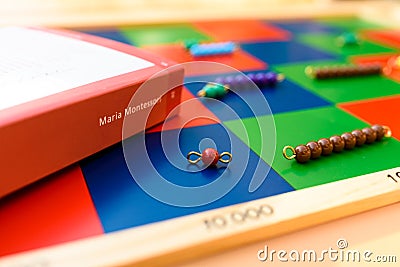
column 162, row 34
column 340, row 89
column 350, row 23
column 328, row 43
column 300, row 127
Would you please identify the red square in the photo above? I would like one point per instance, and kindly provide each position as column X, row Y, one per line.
column 242, row 31
column 386, row 37
column 239, row 59
column 382, row 111
column 191, row 114
column 381, row 59
column 55, row 210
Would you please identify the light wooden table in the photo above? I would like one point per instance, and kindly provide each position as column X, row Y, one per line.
column 114, row 12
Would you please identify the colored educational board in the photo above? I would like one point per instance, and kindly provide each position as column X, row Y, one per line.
column 98, row 195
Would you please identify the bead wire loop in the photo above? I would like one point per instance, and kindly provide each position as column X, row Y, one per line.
column 201, row 93
column 309, row 71
column 193, row 161
column 285, row 149
column 224, row 157
column 226, row 86
column 228, row 159
column 280, row 77
column 388, row 132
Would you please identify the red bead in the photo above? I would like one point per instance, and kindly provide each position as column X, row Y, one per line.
column 210, row 156
column 380, row 131
column 360, row 137
column 349, row 140
column 326, row 145
column 337, row 142
column 370, row 134
column 315, row 149
column 303, row 153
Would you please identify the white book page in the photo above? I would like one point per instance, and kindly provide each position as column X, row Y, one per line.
column 35, row 64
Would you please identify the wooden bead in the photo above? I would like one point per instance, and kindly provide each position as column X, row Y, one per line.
column 303, row 153
column 210, row 156
column 326, row 146
column 315, row 149
column 337, row 142
column 360, row 137
column 380, row 132
column 370, row 135
column 328, row 72
column 349, row 140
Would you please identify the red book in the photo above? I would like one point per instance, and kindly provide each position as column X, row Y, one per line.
column 64, row 96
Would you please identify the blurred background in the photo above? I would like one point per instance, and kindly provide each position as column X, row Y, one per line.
column 106, row 12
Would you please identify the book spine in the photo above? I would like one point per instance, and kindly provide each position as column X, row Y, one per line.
column 44, row 143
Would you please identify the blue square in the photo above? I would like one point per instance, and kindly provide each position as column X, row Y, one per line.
column 121, row 203
column 285, row 52
column 109, row 34
column 285, row 96
column 305, row 26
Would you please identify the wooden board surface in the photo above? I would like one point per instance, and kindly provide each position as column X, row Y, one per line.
column 190, row 237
